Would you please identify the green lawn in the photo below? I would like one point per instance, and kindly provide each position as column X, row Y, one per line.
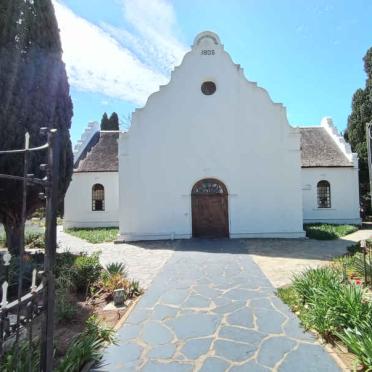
column 328, row 231
column 95, row 235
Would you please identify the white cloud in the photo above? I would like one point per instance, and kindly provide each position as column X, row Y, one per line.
column 153, row 28
column 97, row 62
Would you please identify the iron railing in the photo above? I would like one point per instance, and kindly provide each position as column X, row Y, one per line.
column 17, row 316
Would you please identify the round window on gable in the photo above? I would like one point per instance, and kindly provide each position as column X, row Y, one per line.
column 208, row 88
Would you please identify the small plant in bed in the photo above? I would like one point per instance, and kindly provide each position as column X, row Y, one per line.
column 336, row 307
column 95, row 235
column 328, row 231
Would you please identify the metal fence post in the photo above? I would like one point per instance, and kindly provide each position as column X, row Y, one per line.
column 47, row 346
column 368, row 139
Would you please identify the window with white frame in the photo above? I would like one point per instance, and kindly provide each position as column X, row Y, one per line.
column 98, row 197
column 324, row 194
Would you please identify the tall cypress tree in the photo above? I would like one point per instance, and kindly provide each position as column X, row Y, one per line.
column 356, row 127
column 114, row 121
column 111, row 123
column 105, row 122
column 34, row 93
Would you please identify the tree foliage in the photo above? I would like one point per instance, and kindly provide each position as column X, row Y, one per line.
column 111, row 123
column 34, row 93
column 356, row 127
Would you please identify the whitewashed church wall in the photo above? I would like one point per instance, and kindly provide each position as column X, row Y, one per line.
column 237, row 135
column 78, row 200
column 344, row 195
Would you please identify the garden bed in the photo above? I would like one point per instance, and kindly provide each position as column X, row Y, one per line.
column 335, row 301
column 328, row 231
column 95, row 235
column 84, row 322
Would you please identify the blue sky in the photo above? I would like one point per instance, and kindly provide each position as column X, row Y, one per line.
column 307, row 54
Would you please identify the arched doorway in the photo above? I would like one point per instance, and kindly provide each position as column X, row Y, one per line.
column 209, row 205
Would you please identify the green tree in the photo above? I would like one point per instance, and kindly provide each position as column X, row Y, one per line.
column 111, row 123
column 356, row 127
column 34, row 93
column 114, row 121
column 105, row 122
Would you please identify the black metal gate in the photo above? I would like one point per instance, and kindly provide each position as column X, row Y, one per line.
column 18, row 315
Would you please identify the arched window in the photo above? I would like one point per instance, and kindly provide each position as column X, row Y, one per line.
column 98, row 197
column 324, row 194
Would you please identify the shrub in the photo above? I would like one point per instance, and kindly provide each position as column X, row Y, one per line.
column 86, row 347
column 35, row 240
column 351, row 307
column 134, row 289
column 362, row 266
column 116, row 268
column 65, row 306
column 64, row 262
column 86, row 271
column 26, row 360
column 328, row 231
column 311, row 281
column 333, row 309
column 116, row 281
column 359, row 341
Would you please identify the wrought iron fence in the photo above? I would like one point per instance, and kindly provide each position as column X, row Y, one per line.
column 27, row 314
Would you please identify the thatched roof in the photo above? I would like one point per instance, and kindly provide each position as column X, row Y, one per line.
column 101, row 154
column 318, row 149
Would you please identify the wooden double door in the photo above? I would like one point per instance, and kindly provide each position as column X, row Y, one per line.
column 209, row 202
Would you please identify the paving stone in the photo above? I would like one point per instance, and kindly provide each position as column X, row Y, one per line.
column 273, row 349
column 155, row 366
column 194, row 348
column 196, row 301
column 162, row 351
column 138, row 315
column 194, row 325
column 156, row 334
column 229, row 307
column 174, row 296
column 241, row 335
column 214, row 365
column 121, row 356
column 292, row 328
column 206, row 291
column 311, row 358
column 251, row 366
column 162, row 312
column 128, row 331
column 261, row 303
column 238, row 294
column 269, row 321
column 242, row 317
column 233, row 351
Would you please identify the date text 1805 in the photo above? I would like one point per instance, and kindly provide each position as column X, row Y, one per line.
column 207, row 52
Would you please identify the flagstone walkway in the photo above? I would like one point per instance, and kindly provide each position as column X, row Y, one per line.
column 212, row 309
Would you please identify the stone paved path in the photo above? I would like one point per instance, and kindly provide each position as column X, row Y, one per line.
column 212, row 309
column 142, row 261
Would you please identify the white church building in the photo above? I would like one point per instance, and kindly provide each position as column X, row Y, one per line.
column 211, row 155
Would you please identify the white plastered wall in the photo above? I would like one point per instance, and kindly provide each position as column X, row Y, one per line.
column 237, row 135
column 344, row 195
column 78, row 200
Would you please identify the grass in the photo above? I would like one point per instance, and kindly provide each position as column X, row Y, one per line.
column 328, row 231
column 95, row 235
